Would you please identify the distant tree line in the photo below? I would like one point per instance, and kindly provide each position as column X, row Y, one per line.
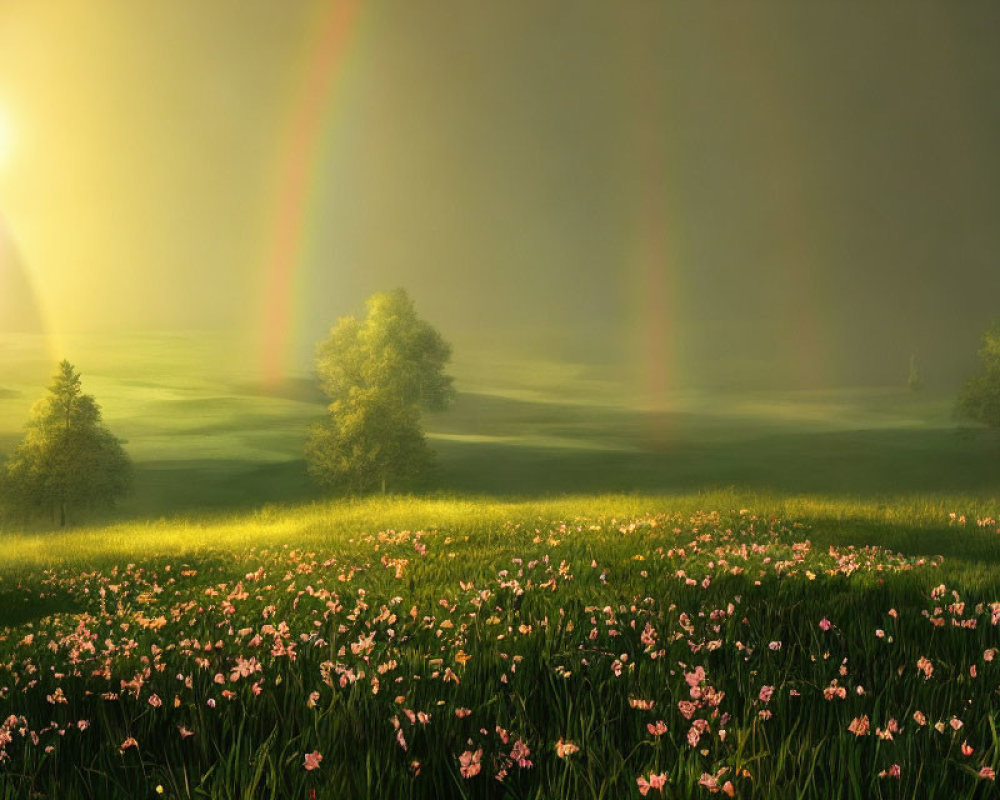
column 379, row 372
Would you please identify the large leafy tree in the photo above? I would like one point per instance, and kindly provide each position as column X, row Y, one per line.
column 68, row 459
column 379, row 372
column 979, row 400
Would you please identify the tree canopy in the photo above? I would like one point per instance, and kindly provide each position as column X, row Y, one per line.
column 979, row 400
column 68, row 458
column 378, row 372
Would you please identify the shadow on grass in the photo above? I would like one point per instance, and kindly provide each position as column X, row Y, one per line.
column 867, row 465
column 18, row 606
column 861, row 463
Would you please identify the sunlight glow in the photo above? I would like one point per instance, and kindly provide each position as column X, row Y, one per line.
column 6, row 138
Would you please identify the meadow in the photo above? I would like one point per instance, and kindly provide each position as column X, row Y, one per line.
column 757, row 595
column 613, row 646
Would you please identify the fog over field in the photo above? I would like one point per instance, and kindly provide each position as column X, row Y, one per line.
column 688, row 197
column 518, row 399
column 673, row 247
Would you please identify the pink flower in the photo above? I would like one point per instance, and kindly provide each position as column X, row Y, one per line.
column 155, row 701
column 643, row 785
column 564, row 749
column 832, row 691
column 988, row 773
column 825, row 624
column 658, row 729
column 313, row 759
column 519, row 753
column 765, row 693
column 967, row 749
column 695, row 678
column 859, row 726
column 469, row 763
column 129, row 742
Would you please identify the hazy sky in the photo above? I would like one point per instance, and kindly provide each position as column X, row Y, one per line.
column 707, row 193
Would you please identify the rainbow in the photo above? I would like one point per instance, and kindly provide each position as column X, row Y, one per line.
column 311, row 119
column 660, row 252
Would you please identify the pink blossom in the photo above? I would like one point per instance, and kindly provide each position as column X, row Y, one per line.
column 859, row 725
column 313, row 759
column 469, row 763
column 565, row 748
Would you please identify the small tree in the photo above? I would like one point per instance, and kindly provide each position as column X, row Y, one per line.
column 68, row 458
column 378, row 373
column 979, row 400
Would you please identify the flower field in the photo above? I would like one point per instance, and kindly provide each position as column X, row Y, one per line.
column 664, row 654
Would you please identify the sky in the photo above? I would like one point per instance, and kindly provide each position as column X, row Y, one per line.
column 786, row 194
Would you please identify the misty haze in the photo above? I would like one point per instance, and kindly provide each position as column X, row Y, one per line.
column 520, row 399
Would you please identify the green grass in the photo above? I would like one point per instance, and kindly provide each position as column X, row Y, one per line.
column 553, row 652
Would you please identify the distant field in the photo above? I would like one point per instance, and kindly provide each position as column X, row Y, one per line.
column 756, row 646
column 204, row 435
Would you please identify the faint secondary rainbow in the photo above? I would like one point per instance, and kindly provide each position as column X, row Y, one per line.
column 659, row 250
column 312, row 116
column 654, row 248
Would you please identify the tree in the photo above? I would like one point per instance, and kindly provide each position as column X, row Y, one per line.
column 979, row 400
column 68, row 458
column 378, row 373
